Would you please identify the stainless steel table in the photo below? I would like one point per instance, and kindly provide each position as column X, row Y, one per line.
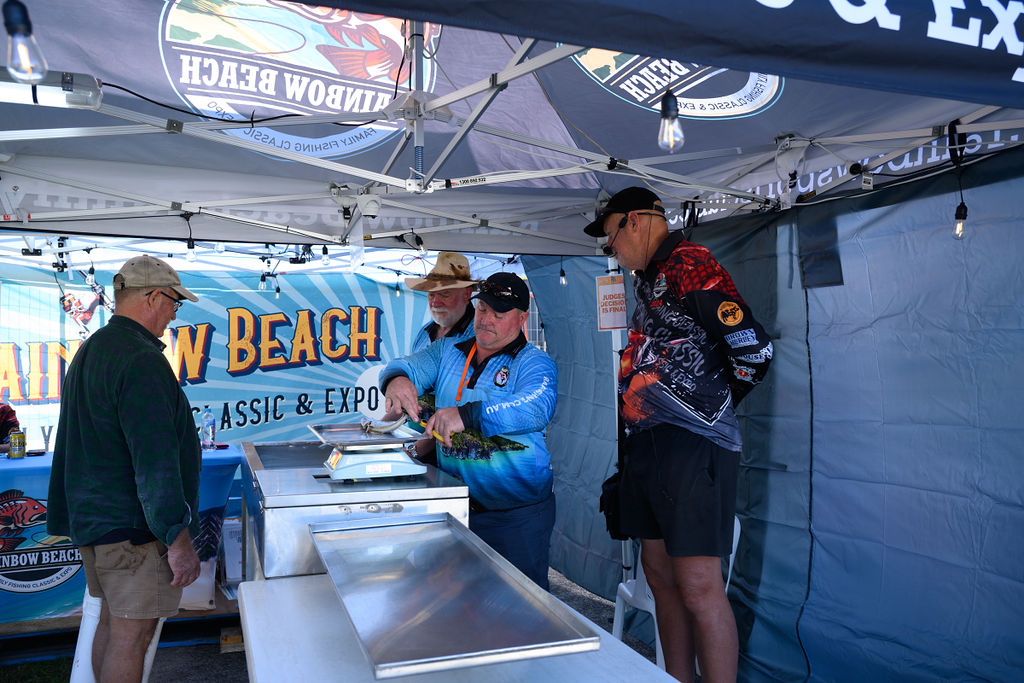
column 296, row 630
column 286, row 488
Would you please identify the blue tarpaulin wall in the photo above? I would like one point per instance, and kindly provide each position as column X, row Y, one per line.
column 880, row 494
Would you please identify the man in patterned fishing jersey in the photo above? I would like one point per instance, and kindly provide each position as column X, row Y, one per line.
column 694, row 351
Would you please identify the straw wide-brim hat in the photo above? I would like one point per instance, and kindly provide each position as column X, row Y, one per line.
column 450, row 272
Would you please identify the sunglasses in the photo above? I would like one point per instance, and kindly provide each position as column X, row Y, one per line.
column 177, row 302
column 500, row 291
column 607, row 248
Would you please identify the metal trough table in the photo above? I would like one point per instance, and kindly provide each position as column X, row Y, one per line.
column 411, row 591
column 296, row 630
column 408, row 584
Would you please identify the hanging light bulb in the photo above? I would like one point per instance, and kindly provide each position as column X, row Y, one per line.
column 561, row 273
column 957, row 151
column 398, row 291
column 262, row 286
column 419, row 244
column 670, row 132
column 961, row 218
column 219, row 247
column 25, row 61
column 190, row 252
column 90, row 279
column 277, row 289
column 326, row 260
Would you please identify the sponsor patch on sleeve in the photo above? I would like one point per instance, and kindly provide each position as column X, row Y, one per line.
column 744, row 373
column 730, row 313
column 741, row 338
column 761, row 356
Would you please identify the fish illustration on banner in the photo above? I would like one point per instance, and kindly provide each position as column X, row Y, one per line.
column 225, row 57
column 18, row 513
column 78, row 311
column 32, row 561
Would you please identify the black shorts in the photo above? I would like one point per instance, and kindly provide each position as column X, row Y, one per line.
column 681, row 487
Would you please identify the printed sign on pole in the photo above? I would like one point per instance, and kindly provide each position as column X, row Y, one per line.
column 611, row 302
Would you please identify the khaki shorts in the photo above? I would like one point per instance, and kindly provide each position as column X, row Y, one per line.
column 133, row 580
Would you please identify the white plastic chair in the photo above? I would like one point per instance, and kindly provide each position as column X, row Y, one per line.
column 81, row 667
column 634, row 591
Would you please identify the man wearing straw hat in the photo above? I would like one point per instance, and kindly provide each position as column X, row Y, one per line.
column 448, row 287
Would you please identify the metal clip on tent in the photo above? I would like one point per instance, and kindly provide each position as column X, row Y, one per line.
column 57, row 89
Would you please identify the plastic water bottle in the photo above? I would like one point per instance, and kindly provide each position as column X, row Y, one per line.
column 207, row 429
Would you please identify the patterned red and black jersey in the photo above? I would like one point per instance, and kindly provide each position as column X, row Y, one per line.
column 694, row 346
column 8, row 422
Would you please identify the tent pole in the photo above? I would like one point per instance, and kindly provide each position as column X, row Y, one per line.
column 416, row 67
column 478, row 111
column 269, row 150
column 876, row 163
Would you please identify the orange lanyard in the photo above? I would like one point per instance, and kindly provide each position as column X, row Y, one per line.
column 465, row 368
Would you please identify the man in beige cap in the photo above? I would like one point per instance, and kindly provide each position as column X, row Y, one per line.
column 124, row 485
column 448, row 286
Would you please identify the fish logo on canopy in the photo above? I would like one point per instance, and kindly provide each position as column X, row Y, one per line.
column 704, row 92
column 258, row 59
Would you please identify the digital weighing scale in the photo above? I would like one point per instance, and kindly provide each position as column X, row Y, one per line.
column 359, row 453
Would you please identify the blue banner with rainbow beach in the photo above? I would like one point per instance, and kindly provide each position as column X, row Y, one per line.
column 266, row 362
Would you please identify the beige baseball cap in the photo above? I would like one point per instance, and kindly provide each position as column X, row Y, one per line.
column 148, row 272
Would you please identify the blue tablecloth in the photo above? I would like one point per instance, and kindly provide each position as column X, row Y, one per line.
column 40, row 579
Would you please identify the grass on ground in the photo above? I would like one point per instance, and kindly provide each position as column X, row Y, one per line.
column 46, row 671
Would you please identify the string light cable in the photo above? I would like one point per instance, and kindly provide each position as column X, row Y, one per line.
column 905, row 179
column 211, row 117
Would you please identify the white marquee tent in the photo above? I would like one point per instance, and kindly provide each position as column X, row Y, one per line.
column 880, row 498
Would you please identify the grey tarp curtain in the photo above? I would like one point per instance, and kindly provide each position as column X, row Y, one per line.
column 888, row 431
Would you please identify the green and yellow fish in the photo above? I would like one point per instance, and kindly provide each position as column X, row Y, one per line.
column 469, row 444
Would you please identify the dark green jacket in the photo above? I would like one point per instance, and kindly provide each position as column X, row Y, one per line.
column 126, row 454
